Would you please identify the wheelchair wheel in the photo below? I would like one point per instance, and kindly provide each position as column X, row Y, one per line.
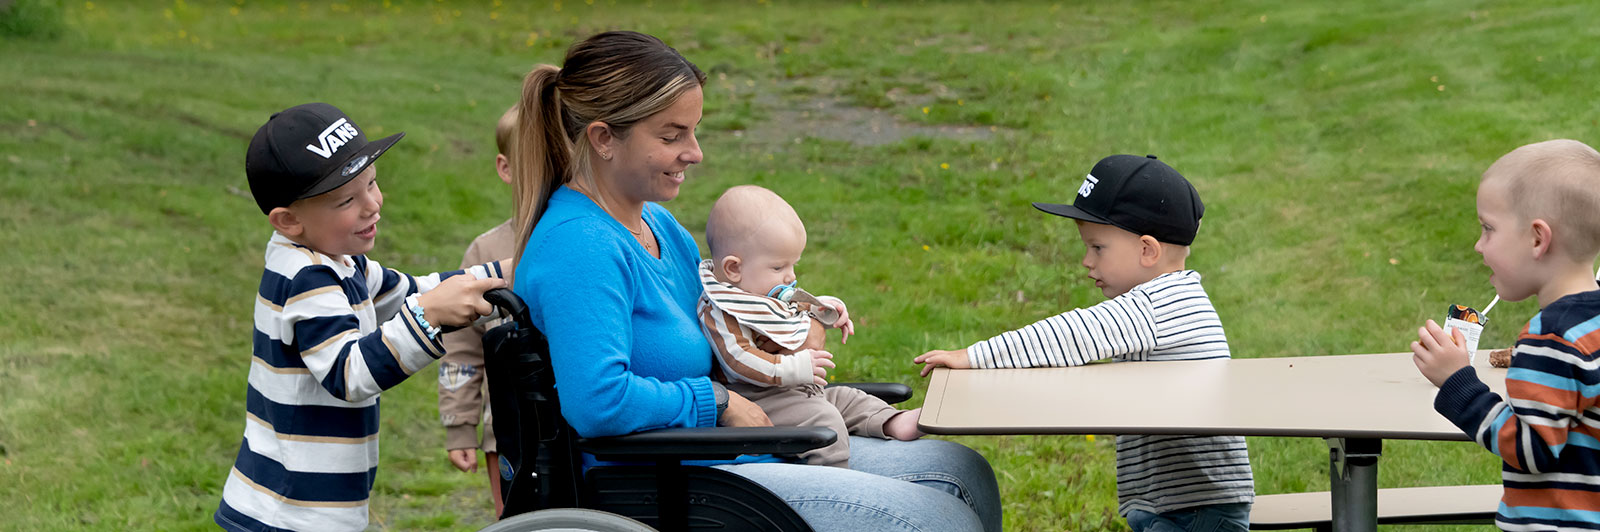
column 567, row 520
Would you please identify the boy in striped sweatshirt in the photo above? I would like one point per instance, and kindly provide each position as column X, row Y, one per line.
column 332, row 328
column 767, row 334
column 1540, row 234
column 1137, row 217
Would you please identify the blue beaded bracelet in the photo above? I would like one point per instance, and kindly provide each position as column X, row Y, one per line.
column 416, row 311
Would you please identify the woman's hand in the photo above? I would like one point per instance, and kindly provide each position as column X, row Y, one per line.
column 743, row 413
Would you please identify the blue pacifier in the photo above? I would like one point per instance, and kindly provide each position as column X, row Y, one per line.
column 784, row 292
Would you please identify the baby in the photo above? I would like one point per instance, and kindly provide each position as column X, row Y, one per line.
column 768, row 335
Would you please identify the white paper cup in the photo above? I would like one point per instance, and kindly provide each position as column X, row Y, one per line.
column 1470, row 331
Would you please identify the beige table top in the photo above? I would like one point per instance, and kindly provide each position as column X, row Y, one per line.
column 1342, row 396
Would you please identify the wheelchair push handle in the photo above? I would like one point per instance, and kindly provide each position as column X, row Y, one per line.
column 510, row 304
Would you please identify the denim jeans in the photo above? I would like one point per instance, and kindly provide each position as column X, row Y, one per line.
column 1213, row 518
column 923, row 485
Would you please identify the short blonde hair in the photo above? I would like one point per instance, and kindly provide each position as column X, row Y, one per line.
column 1557, row 181
column 504, row 129
column 744, row 216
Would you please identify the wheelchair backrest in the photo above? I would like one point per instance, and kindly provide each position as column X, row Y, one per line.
column 540, row 466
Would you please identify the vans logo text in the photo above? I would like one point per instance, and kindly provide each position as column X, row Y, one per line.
column 1088, row 185
column 337, row 135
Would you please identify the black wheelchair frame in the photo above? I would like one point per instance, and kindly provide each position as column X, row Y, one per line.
column 543, row 465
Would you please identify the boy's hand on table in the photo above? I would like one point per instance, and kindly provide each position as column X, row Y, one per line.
column 458, row 301
column 821, row 362
column 1438, row 354
column 951, row 359
column 464, row 459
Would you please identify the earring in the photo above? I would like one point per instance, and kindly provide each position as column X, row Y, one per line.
column 606, row 156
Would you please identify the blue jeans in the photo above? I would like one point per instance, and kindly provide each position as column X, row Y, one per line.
column 1213, row 518
column 923, row 485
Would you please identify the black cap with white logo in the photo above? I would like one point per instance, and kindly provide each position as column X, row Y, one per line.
column 1141, row 195
column 307, row 150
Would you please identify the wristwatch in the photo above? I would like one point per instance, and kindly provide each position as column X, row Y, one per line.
column 721, row 393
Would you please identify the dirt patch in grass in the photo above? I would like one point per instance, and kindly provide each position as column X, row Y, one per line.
column 820, row 111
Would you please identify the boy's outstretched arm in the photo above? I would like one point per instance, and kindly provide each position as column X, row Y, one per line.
column 951, row 359
column 354, row 367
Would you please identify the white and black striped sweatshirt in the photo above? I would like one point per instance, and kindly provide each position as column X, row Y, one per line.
column 1167, row 318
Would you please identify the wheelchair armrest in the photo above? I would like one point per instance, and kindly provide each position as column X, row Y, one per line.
column 889, row 392
column 707, row 443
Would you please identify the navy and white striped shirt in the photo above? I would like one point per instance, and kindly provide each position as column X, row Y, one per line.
column 1167, row 318
column 329, row 336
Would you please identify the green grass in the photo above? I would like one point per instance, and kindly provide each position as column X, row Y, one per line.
column 1337, row 148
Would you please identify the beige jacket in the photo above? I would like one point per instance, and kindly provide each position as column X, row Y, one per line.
column 463, row 390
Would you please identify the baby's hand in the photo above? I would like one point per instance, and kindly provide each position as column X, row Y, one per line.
column 508, row 266
column 1438, row 354
column 458, row 301
column 951, row 359
column 821, row 361
column 845, row 326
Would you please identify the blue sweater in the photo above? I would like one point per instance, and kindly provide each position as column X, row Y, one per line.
column 627, row 352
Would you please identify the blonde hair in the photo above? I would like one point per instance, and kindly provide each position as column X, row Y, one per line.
column 745, row 216
column 616, row 77
column 1557, row 181
column 503, row 130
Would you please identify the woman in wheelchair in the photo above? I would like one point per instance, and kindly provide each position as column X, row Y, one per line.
column 611, row 279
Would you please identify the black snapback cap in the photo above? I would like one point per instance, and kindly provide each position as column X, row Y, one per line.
column 307, row 150
column 1141, row 195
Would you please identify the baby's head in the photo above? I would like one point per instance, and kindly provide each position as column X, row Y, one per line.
column 1137, row 217
column 312, row 172
column 755, row 239
column 1537, row 206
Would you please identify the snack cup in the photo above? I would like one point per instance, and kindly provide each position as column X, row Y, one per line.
column 1470, row 331
column 1470, row 323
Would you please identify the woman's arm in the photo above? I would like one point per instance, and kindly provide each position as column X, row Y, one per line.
column 581, row 292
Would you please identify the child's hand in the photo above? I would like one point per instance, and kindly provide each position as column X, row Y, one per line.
column 508, row 266
column 1438, row 354
column 951, row 359
column 821, row 362
column 845, row 326
column 458, row 301
column 464, row 459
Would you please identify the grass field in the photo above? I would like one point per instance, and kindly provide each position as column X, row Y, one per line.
column 1337, row 147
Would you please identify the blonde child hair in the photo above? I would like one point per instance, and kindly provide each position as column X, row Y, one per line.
column 1557, row 181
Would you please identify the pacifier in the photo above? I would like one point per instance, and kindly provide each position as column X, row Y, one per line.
column 784, row 292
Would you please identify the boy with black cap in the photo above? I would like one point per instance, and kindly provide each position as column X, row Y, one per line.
column 332, row 328
column 1137, row 217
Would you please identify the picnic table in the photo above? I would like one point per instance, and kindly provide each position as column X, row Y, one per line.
column 1354, row 402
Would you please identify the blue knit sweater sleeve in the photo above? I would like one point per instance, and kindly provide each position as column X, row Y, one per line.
column 584, row 291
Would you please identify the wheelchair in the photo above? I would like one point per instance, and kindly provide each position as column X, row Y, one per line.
column 544, row 485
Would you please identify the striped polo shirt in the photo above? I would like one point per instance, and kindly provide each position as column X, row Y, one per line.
column 329, row 336
column 1548, row 433
column 1166, row 318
